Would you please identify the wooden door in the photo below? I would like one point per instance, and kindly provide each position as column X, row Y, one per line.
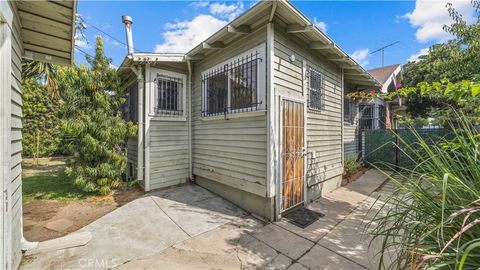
column 293, row 147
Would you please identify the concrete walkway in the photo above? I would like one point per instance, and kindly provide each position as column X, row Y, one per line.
column 191, row 228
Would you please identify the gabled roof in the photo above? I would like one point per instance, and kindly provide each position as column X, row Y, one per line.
column 48, row 29
column 382, row 74
column 295, row 24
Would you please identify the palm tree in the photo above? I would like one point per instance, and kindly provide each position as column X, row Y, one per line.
column 42, row 71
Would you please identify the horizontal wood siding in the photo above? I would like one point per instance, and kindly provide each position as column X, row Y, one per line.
column 168, row 153
column 232, row 152
column 16, row 140
column 132, row 152
column 324, row 131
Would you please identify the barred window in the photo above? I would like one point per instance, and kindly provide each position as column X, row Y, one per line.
column 316, row 86
column 216, row 84
column 233, row 86
column 168, row 94
column 366, row 116
column 348, row 110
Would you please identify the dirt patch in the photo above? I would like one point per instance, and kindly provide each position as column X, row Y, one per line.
column 32, row 166
column 40, row 214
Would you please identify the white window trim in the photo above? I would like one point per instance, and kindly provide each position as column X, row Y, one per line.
column 261, row 82
column 154, row 72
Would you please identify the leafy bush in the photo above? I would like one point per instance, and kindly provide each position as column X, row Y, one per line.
column 351, row 166
column 41, row 135
column 92, row 122
column 434, row 220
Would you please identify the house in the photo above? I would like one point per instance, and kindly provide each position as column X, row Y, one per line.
column 371, row 114
column 39, row 30
column 253, row 113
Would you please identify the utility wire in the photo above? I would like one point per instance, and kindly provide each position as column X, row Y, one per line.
column 107, row 34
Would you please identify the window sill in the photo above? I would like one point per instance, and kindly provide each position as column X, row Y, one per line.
column 168, row 118
column 234, row 115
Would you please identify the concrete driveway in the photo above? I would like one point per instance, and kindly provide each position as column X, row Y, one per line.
column 188, row 227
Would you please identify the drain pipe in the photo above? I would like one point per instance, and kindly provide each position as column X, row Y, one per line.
column 127, row 20
column 190, row 164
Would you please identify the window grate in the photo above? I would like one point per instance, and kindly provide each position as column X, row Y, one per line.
column 168, row 95
column 316, row 88
column 232, row 88
column 366, row 117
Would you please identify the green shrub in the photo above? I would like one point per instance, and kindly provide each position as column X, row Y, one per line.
column 351, row 166
column 41, row 134
column 433, row 222
column 91, row 120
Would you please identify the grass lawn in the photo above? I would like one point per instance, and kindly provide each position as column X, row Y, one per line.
column 48, row 181
column 54, row 185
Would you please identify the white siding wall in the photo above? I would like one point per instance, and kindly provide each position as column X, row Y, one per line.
column 168, row 153
column 168, row 140
column 132, row 156
column 324, row 141
column 16, row 138
column 232, row 152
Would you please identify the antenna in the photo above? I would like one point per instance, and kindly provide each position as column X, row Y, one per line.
column 382, row 49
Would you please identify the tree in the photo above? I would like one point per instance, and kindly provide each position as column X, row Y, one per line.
column 92, row 121
column 41, row 136
column 456, row 60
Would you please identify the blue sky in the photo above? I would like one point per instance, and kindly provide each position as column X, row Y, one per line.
column 359, row 27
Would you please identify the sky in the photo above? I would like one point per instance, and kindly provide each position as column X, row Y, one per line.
column 358, row 27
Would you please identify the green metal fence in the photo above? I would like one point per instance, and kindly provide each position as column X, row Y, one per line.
column 385, row 148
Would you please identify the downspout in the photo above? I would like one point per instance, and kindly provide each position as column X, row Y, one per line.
column 140, row 138
column 127, row 20
column 190, row 163
column 342, row 117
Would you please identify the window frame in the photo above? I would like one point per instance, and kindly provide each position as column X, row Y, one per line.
column 352, row 110
column 154, row 74
column 322, row 91
column 260, row 83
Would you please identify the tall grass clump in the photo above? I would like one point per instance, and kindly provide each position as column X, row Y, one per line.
column 433, row 221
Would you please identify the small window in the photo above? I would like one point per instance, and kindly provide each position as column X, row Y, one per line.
column 316, row 85
column 168, row 96
column 348, row 110
column 234, row 86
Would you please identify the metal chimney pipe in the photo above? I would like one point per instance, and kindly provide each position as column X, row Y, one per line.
column 127, row 20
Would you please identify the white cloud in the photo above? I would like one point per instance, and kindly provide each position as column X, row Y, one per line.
column 82, row 43
column 361, row 56
column 182, row 36
column 229, row 12
column 414, row 57
column 429, row 16
column 321, row 25
column 199, row 4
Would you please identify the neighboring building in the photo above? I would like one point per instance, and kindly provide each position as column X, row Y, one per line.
column 39, row 30
column 253, row 113
column 371, row 114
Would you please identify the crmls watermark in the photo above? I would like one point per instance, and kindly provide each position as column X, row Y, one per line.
column 97, row 263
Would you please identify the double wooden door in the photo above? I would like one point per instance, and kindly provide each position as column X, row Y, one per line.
column 292, row 153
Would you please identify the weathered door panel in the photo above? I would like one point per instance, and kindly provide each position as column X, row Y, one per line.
column 292, row 153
